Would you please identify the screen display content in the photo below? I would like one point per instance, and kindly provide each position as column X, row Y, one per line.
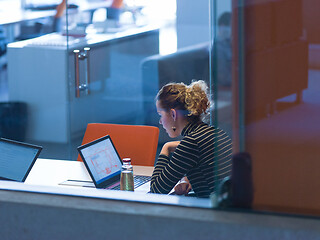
column 16, row 160
column 102, row 160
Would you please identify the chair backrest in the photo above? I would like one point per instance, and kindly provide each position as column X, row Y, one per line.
column 237, row 190
column 137, row 142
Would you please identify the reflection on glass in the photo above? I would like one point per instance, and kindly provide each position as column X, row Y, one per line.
column 275, row 48
column 222, row 69
column 104, row 62
column 113, row 95
column 266, row 81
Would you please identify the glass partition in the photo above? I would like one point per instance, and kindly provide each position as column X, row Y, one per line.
column 30, row 78
column 104, row 62
column 275, row 99
column 108, row 82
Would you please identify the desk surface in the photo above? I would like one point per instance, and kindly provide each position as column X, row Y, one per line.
column 46, row 174
column 51, row 172
column 57, row 41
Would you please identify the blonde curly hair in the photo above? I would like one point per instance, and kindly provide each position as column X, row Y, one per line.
column 193, row 99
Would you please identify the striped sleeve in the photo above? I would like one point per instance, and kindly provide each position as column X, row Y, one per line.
column 168, row 171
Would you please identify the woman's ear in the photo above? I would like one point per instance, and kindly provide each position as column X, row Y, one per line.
column 173, row 114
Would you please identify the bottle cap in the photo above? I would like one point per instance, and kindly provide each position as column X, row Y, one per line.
column 126, row 160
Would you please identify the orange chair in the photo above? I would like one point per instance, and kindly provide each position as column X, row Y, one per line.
column 137, row 142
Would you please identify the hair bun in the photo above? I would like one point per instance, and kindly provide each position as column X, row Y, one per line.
column 193, row 98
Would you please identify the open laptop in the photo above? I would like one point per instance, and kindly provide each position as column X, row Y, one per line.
column 104, row 164
column 17, row 159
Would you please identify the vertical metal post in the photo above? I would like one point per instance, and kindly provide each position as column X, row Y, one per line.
column 86, row 56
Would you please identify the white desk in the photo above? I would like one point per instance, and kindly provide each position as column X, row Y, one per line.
column 46, row 174
column 51, row 172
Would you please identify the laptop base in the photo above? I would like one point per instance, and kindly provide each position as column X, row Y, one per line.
column 78, row 183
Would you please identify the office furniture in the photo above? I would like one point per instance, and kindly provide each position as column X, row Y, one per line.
column 282, row 138
column 53, row 172
column 242, row 183
column 11, row 17
column 13, row 120
column 39, row 28
column 276, row 55
column 52, row 93
column 18, row 15
column 311, row 18
column 136, row 142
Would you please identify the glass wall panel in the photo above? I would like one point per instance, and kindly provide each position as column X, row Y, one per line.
column 221, row 87
column 30, row 77
column 128, row 52
column 105, row 63
column 108, row 80
column 221, row 63
column 276, row 102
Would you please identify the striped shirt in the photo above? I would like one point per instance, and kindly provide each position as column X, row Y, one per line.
column 203, row 155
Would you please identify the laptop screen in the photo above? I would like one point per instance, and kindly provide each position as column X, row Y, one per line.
column 16, row 159
column 102, row 160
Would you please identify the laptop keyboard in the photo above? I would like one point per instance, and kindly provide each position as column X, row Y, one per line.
column 138, row 181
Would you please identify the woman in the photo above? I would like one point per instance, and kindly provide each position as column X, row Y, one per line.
column 114, row 11
column 203, row 156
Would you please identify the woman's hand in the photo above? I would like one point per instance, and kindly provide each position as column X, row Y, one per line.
column 183, row 187
column 169, row 147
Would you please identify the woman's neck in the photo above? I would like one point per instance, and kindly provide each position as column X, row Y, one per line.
column 182, row 123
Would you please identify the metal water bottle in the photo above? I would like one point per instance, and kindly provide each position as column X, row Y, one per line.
column 126, row 179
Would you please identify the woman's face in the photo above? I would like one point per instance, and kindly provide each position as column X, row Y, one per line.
column 166, row 120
